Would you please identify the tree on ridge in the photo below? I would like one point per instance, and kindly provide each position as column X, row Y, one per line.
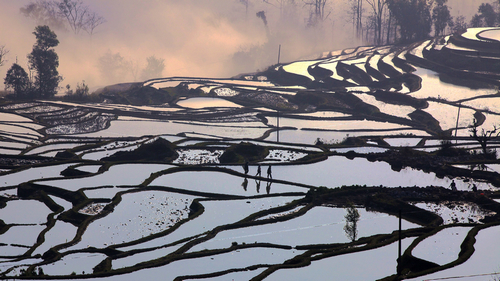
column 44, row 61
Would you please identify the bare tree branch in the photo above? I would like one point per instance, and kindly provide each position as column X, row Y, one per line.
column 92, row 22
column 484, row 137
column 3, row 54
column 317, row 13
column 378, row 7
column 75, row 12
column 59, row 14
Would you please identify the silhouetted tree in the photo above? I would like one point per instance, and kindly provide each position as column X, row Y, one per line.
column 317, row 11
column 484, row 137
column 459, row 25
column 351, row 222
column 80, row 94
column 378, row 9
column 413, row 18
column 356, row 11
column 63, row 14
column 441, row 17
column 154, row 68
column 476, row 21
column 17, row 80
column 486, row 16
column 93, row 20
column 44, row 13
column 487, row 12
column 44, row 61
column 75, row 13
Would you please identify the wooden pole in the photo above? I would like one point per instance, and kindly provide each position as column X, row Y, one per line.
column 399, row 246
column 279, row 53
column 399, row 242
column 458, row 118
column 278, row 125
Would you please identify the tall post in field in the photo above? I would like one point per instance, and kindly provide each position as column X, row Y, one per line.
column 458, row 117
column 278, row 125
column 279, row 53
column 399, row 242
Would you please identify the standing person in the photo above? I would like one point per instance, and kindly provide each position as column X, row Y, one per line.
column 258, row 171
column 269, row 173
column 453, row 185
column 245, row 167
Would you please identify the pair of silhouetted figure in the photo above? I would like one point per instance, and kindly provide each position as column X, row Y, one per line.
column 259, row 171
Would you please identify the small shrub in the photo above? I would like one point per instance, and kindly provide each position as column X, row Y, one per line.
column 80, row 94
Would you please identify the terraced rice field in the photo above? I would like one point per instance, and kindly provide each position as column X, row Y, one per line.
column 379, row 129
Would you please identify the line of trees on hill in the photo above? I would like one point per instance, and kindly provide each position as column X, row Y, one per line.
column 42, row 78
column 391, row 21
column 487, row 15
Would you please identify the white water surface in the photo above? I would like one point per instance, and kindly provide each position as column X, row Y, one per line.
column 320, row 225
column 367, row 265
column 443, row 247
column 481, row 266
column 122, row 174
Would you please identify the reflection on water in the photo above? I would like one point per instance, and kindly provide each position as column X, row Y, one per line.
column 257, row 186
column 245, row 184
column 217, row 183
column 432, row 86
column 198, row 103
column 337, row 171
column 268, row 187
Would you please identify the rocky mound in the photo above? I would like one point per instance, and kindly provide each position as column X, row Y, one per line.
column 159, row 150
column 243, row 152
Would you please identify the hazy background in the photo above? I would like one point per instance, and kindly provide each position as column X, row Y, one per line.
column 205, row 38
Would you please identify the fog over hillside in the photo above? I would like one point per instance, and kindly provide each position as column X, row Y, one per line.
column 217, row 38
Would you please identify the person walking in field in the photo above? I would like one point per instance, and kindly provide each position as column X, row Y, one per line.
column 269, row 173
column 245, row 167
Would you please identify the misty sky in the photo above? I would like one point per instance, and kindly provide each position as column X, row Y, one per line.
column 208, row 38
